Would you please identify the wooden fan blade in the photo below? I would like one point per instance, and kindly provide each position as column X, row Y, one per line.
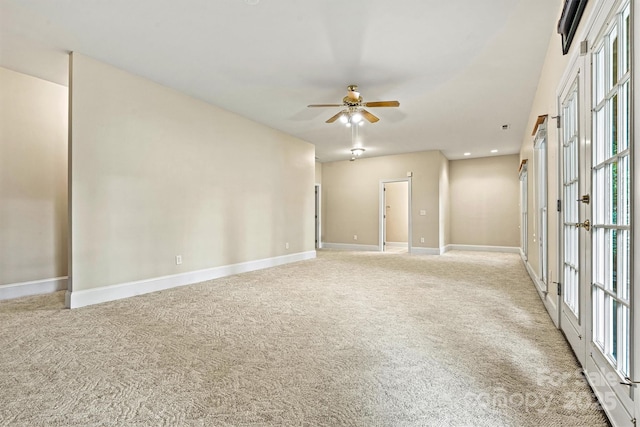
column 367, row 115
column 325, row 105
column 382, row 104
column 334, row 118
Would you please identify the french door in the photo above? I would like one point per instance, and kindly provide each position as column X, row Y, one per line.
column 608, row 367
column 574, row 212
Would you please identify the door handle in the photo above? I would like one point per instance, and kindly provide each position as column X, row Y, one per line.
column 586, row 224
column 585, row 199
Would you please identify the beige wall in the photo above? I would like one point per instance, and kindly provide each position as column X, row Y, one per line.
column 545, row 102
column 484, row 201
column 397, row 211
column 155, row 174
column 33, row 179
column 351, row 197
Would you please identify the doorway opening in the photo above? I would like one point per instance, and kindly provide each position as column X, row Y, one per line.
column 395, row 215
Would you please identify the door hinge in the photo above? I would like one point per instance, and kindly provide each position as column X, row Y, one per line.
column 559, row 288
column 559, row 205
column 584, row 47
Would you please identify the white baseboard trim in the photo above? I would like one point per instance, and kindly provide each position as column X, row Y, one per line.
column 350, row 247
column 75, row 299
column 398, row 244
column 36, row 287
column 480, row 248
column 523, row 256
column 425, row 251
column 548, row 300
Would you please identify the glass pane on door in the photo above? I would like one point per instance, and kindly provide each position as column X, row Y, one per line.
column 570, row 185
column 611, row 240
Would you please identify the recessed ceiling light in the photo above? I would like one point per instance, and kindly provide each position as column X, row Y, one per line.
column 467, row 154
column 494, row 151
column 252, row 2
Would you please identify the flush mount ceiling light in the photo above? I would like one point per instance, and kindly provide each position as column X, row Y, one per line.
column 357, row 152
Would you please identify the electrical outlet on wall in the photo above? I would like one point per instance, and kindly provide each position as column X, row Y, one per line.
column 422, row 240
column 355, row 237
column 286, row 245
column 178, row 259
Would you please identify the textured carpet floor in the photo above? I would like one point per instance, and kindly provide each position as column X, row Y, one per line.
column 347, row 339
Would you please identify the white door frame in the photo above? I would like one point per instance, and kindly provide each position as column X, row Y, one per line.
column 524, row 212
column 318, row 216
column 382, row 211
column 575, row 80
column 541, row 203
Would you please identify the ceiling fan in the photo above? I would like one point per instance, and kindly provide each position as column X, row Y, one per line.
column 354, row 111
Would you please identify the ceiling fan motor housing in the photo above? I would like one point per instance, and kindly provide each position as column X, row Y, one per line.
column 351, row 102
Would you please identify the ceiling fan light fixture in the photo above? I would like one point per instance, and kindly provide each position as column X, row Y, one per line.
column 352, row 105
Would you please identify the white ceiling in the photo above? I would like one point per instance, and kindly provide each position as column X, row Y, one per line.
column 460, row 68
